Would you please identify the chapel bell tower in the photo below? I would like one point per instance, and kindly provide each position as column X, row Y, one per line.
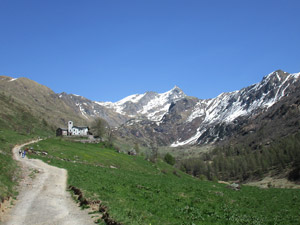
column 70, row 126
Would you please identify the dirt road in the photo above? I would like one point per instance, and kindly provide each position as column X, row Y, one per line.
column 43, row 198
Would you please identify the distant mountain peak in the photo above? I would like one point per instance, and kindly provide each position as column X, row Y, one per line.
column 277, row 75
column 176, row 88
column 150, row 105
column 279, row 71
column 175, row 92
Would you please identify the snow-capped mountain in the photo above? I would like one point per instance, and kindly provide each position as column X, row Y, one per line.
column 194, row 121
column 249, row 101
column 151, row 106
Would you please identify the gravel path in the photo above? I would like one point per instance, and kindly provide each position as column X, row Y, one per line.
column 43, row 198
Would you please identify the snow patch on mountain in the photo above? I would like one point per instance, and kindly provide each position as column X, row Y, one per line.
column 132, row 98
column 81, row 109
column 120, row 105
column 295, row 76
column 191, row 140
column 13, row 79
column 197, row 112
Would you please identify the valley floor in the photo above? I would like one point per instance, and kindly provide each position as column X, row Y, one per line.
column 43, row 198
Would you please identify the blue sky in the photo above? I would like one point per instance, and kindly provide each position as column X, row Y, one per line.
column 106, row 50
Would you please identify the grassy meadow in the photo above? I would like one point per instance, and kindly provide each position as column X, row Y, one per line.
column 137, row 191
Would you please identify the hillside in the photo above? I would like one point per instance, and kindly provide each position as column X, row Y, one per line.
column 90, row 110
column 41, row 101
column 129, row 190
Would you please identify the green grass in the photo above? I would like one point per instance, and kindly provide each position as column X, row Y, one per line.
column 7, row 166
column 140, row 192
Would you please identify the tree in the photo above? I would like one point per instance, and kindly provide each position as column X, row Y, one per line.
column 209, row 172
column 99, row 127
column 110, row 135
column 136, row 148
column 153, row 152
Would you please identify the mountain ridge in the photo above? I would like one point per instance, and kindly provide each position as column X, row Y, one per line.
column 171, row 118
column 204, row 117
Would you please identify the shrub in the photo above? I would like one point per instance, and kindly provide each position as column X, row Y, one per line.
column 294, row 175
column 169, row 159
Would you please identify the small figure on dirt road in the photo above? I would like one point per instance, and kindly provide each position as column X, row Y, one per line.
column 24, row 152
column 20, row 152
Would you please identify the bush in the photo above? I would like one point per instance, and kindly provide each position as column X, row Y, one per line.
column 169, row 159
column 294, row 175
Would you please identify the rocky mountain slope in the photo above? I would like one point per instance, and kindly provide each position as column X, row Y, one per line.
column 280, row 120
column 227, row 108
column 90, row 110
column 195, row 121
